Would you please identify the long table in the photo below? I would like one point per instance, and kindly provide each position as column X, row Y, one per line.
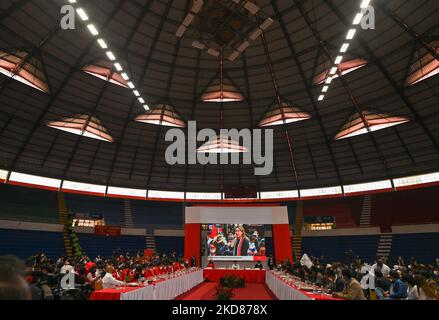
column 285, row 291
column 250, row 276
column 164, row 290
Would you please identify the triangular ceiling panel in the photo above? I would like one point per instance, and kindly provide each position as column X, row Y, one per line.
column 17, row 64
column 222, row 144
column 287, row 114
column 86, row 125
column 344, row 68
column 225, row 92
column 426, row 66
column 104, row 70
column 358, row 123
column 162, row 114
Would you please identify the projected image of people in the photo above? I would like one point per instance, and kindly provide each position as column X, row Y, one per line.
column 234, row 240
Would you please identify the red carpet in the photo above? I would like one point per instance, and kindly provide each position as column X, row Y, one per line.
column 252, row 291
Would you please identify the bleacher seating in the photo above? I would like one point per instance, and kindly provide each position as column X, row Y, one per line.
column 422, row 246
column 26, row 204
column 111, row 209
column 24, row 243
column 405, row 207
column 334, row 248
column 168, row 244
column 147, row 214
column 347, row 211
column 95, row 245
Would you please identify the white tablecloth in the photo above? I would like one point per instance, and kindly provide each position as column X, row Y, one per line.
column 166, row 290
column 282, row 290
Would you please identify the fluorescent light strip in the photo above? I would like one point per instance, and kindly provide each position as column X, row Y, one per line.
column 103, row 44
column 344, row 47
column 351, row 34
column 82, row 14
column 358, row 18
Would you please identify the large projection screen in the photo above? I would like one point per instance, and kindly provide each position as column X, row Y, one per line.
column 234, row 233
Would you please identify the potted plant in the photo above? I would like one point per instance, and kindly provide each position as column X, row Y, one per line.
column 223, row 293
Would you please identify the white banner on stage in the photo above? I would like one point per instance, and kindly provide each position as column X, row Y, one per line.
column 237, row 215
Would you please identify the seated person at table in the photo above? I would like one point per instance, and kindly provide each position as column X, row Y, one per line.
column 334, row 283
column 259, row 265
column 235, row 266
column 109, row 281
column 210, row 264
column 353, row 289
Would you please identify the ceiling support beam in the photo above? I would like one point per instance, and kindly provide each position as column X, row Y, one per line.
column 417, row 37
column 374, row 59
column 308, row 90
column 60, row 89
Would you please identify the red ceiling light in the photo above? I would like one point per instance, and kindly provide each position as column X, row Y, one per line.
column 222, row 92
column 344, row 68
column 162, row 114
column 103, row 69
column 368, row 121
column 222, row 144
column 222, row 89
column 426, row 67
column 18, row 65
column 87, row 125
column 287, row 114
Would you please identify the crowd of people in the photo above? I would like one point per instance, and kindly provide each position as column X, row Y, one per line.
column 39, row 278
column 359, row 280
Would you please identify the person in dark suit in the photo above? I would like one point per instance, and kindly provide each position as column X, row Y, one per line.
column 193, row 262
column 241, row 242
column 270, row 262
column 259, row 265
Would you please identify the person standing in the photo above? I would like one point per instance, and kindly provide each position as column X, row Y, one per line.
column 241, row 242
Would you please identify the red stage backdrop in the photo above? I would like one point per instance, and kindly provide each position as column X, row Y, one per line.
column 276, row 216
column 282, row 243
column 192, row 242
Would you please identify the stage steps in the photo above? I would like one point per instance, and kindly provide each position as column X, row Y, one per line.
column 366, row 211
column 385, row 245
column 150, row 242
column 128, row 214
column 296, row 240
column 63, row 217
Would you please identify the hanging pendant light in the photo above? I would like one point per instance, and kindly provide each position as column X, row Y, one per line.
column 222, row 144
column 222, row 89
column 343, row 69
column 87, row 125
column 103, row 70
column 281, row 112
column 162, row 114
column 25, row 68
column 426, row 67
column 283, row 115
column 368, row 121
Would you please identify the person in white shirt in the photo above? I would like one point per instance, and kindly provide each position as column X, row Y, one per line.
column 67, row 268
column 108, row 281
column 412, row 288
column 235, row 266
column 381, row 267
